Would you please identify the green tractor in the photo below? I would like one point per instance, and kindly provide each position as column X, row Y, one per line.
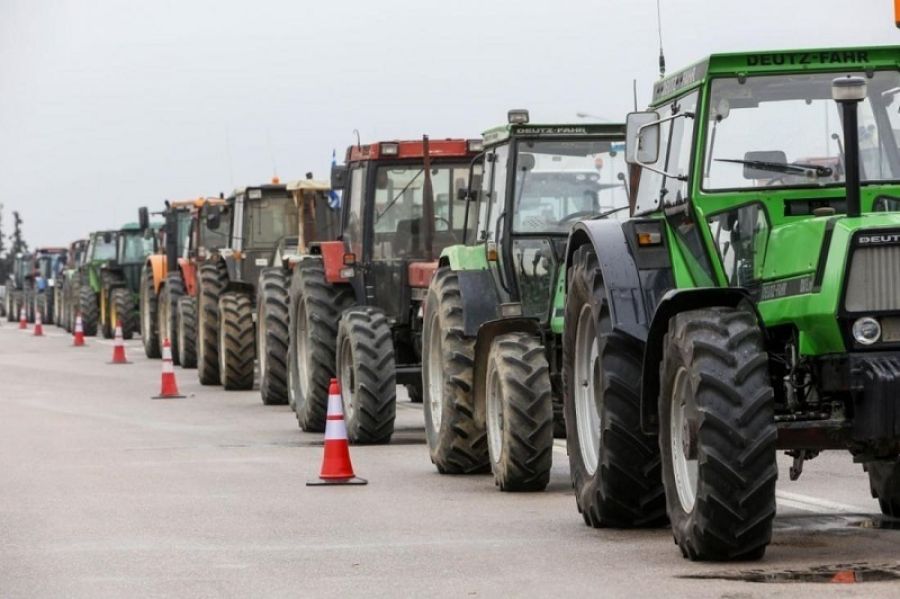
column 493, row 313
column 87, row 283
column 65, row 291
column 18, row 289
column 750, row 304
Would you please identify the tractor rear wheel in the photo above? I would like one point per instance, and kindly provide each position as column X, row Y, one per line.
column 187, row 332
column 884, row 480
column 717, row 434
column 148, row 304
column 236, row 343
column 519, row 413
column 10, row 306
column 366, row 370
column 167, row 311
column 213, row 278
column 274, row 336
column 316, row 307
column 456, row 441
column 40, row 305
column 122, row 306
column 615, row 468
column 29, row 305
column 90, row 311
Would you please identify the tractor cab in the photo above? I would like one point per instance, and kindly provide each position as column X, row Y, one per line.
column 133, row 245
column 48, row 266
column 259, row 218
column 398, row 215
column 318, row 214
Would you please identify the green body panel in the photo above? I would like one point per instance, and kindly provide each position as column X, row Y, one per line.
column 464, row 257
column 801, row 243
column 557, row 318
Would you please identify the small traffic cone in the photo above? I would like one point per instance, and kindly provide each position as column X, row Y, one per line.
column 336, row 466
column 119, row 346
column 78, row 338
column 38, row 325
column 169, row 387
column 23, row 320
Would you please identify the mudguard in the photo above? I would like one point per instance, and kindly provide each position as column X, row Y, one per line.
column 157, row 265
column 479, row 298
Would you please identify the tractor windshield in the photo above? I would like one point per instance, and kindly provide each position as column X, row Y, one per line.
column 104, row 250
column 182, row 230
column 785, row 130
column 268, row 220
column 135, row 247
column 559, row 182
column 399, row 209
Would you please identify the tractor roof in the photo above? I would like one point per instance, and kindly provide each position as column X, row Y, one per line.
column 414, row 150
column 197, row 203
column 860, row 58
column 503, row 132
column 275, row 186
column 308, row 185
column 51, row 250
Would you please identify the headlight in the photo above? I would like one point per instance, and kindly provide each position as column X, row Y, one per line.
column 866, row 330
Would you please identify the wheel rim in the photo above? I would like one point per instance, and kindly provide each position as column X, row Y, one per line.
column 347, row 380
column 145, row 313
column 494, row 405
column 222, row 369
column 587, row 385
column 683, row 440
column 302, row 353
column 261, row 338
column 435, row 374
column 113, row 315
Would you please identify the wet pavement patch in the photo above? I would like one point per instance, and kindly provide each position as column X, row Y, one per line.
column 829, row 574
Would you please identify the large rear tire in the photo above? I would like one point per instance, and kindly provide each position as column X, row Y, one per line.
column 236, row 341
column 366, row 370
column 273, row 337
column 717, row 435
column 90, row 311
column 884, row 479
column 519, row 413
column 148, row 307
column 316, row 307
column 122, row 301
column 187, row 332
column 213, row 278
column 167, row 312
column 456, row 441
column 615, row 468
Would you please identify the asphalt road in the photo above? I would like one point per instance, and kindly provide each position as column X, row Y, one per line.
column 107, row 493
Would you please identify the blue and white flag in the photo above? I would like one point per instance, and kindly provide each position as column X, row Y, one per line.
column 334, row 198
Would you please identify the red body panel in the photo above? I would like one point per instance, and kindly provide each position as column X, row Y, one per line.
column 333, row 260
column 437, row 148
column 420, row 273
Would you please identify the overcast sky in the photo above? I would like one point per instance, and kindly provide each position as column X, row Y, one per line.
column 107, row 105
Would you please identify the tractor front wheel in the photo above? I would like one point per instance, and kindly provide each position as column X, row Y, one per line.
column 365, row 365
column 273, row 337
column 519, row 413
column 148, row 306
column 122, row 309
column 456, row 441
column 87, row 307
column 213, row 278
column 236, row 342
column 717, row 435
column 167, row 312
column 884, row 480
column 187, row 332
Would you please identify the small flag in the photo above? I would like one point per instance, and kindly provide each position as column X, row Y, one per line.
column 334, row 198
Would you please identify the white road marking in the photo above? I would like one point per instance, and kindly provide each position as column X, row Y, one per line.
column 817, row 505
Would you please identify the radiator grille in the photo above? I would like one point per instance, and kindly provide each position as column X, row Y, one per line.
column 874, row 279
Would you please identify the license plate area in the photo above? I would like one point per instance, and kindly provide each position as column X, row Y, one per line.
column 890, row 329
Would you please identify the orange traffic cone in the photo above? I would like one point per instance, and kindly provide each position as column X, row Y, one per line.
column 23, row 320
column 169, row 387
column 119, row 346
column 38, row 325
column 78, row 339
column 336, row 466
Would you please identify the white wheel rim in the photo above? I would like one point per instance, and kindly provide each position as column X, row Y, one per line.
column 222, row 369
column 587, row 387
column 494, row 416
column 302, row 352
column 435, row 374
column 345, row 368
column 684, row 459
column 261, row 338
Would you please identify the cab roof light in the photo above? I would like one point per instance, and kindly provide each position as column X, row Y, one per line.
column 517, row 116
column 390, row 149
column 475, row 145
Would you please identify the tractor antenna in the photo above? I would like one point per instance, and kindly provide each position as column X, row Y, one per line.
column 662, row 57
column 358, row 144
column 634, row 93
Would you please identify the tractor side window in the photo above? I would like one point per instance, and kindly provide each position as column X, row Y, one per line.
column 741, row 236
column 353, row 230
column 494, row 199
column 674, row 189
column 649, row 189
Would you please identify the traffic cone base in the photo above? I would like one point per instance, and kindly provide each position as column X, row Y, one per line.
column 119, row 347
column 336, row 466
column 168, row 388
column 38, row 325
column 23, row 320
column 78, row 336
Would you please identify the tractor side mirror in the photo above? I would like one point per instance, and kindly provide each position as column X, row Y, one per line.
column 213, row 217
column 338, row 176
column 107, row 237
column 471, row 192
column 143, row 218
column 642, row 137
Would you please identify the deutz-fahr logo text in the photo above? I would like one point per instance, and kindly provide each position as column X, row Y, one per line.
column 881, row 239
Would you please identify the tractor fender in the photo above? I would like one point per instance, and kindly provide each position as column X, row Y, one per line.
column 480, row 301
column 188, row 271
column 673, row 302
column 486, row 335
column 157, row 265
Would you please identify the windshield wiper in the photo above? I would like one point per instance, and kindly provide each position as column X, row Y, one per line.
column 798, row 168
column 380, row 215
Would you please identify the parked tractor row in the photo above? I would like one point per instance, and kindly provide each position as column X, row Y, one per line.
column 679, row 296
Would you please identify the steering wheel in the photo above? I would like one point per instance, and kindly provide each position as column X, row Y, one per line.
column 441, row 219
column 772, row 182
